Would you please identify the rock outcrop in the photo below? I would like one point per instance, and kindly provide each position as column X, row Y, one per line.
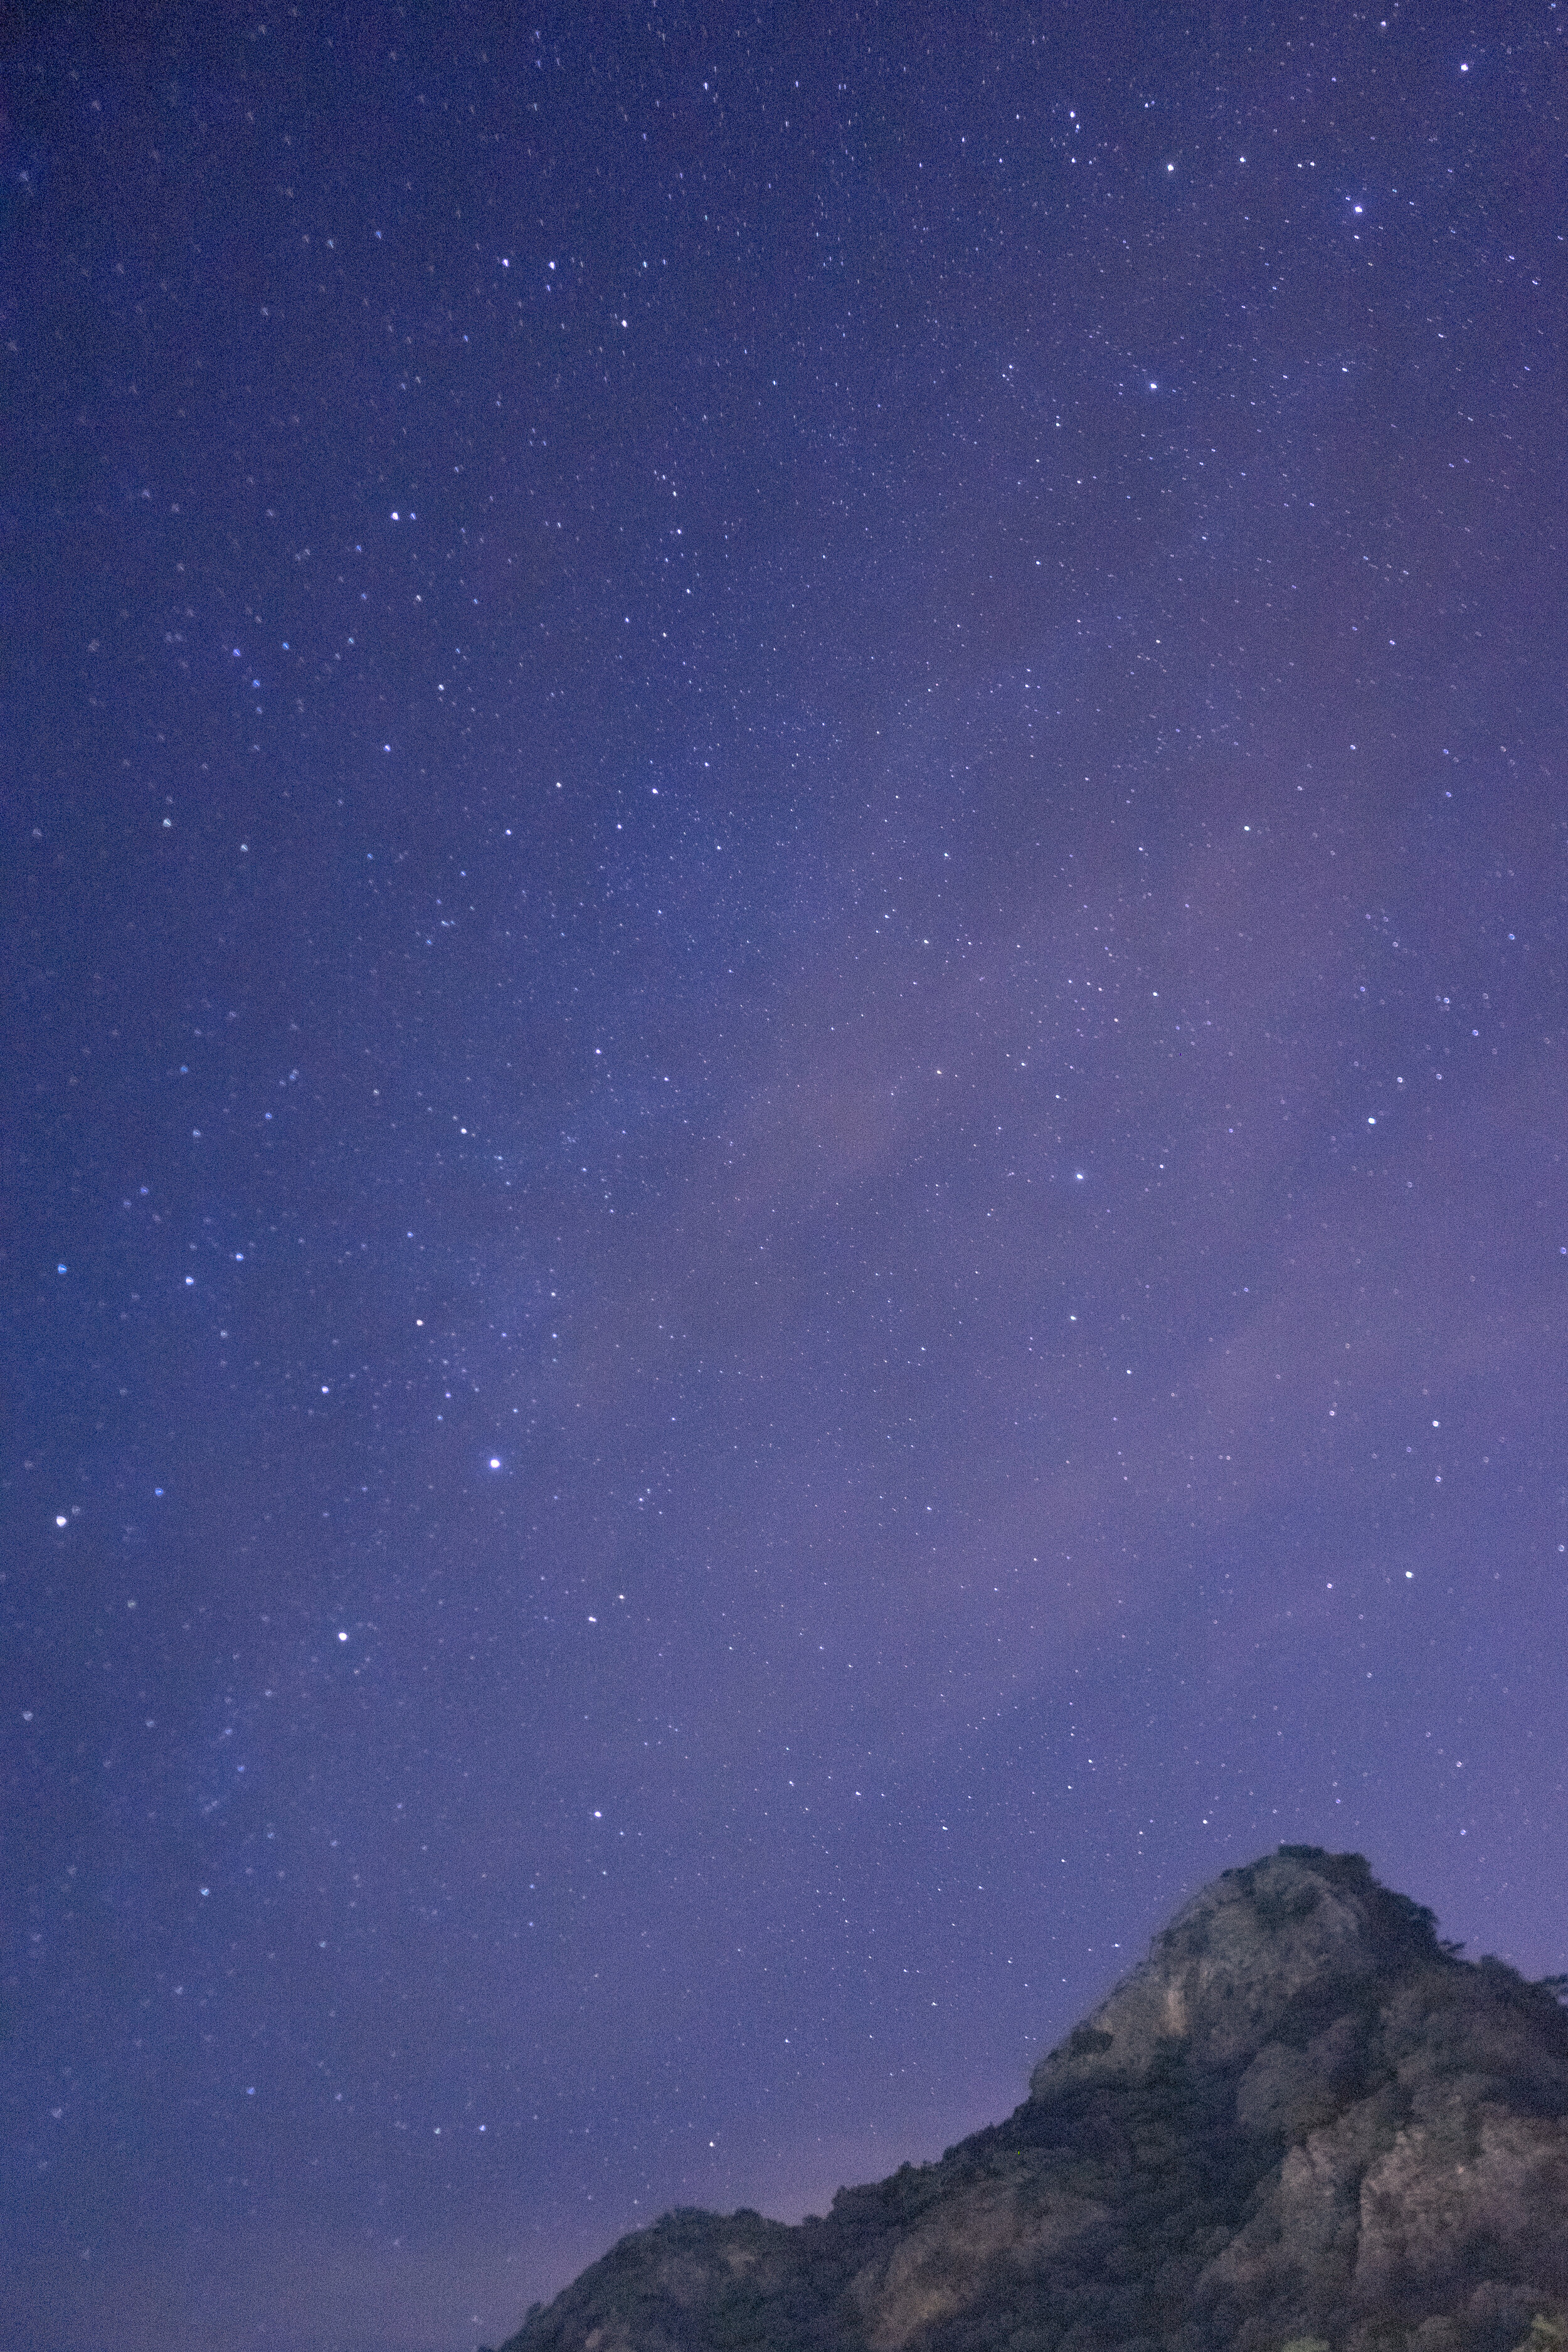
column 1302, row 2124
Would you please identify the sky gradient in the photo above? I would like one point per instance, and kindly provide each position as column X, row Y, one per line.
column 786, row 1007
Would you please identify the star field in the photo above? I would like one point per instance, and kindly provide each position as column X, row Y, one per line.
column 786, row 971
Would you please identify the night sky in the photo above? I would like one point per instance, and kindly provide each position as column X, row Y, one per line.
column 785, row 1021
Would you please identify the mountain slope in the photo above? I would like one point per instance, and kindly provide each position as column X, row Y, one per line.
column 1301, row 2117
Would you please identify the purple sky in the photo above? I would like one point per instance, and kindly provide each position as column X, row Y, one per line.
column 786, row 976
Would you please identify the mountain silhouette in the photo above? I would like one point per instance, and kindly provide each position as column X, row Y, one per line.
column 1302, row 2124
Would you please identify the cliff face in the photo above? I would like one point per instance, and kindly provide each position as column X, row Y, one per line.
column 1299, row 2125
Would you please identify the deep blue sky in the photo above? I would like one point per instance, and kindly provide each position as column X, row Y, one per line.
column 785, row 993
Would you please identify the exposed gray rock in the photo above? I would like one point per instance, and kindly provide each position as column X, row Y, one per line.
column 1222, row 1976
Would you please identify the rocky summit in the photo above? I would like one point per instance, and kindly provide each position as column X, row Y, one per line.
column 1301, row 2124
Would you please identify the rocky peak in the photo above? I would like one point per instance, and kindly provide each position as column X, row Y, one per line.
column 1298, row 1931
column 1302, row 2124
